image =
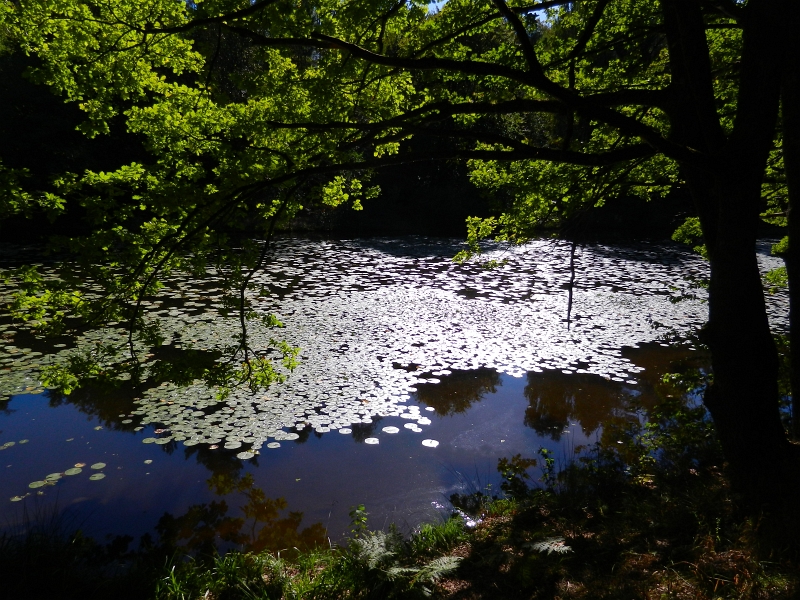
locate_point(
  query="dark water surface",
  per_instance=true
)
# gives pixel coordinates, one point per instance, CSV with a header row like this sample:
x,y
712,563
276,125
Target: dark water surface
x,y
478,364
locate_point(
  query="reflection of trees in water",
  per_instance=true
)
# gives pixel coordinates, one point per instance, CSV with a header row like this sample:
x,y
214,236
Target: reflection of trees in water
x,y
458,391
262,526
362,431
110,399
219,461
105,401
556,399
303,433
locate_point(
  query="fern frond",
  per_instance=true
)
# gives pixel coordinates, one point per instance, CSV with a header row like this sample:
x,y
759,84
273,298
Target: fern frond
x,y
550,545
393,573
438,567
373,549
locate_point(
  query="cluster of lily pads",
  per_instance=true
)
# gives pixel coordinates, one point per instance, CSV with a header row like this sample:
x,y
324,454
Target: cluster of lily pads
x,y
7,445
376,318
53,478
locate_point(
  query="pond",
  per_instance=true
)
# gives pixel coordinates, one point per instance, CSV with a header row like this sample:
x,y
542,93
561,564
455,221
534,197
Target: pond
x,y
416,375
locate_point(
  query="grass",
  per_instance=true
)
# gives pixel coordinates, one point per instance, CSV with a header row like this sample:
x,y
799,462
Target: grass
x,y
648,513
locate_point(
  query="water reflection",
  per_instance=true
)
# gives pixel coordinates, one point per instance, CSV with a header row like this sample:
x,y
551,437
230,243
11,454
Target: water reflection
x,y
558,400
208,495
459,390
203,528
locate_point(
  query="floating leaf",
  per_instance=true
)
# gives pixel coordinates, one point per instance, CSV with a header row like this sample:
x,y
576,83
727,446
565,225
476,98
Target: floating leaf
x,y
345,430
148,461
53,477
232,445
37,484
97,476
97,466
390,429
372,441
17,498
245,455
430,443
98,428
24,441
274,445
148,440
74,471
164,440
79,465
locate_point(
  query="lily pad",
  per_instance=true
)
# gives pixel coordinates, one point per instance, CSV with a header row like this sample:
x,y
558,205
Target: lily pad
x,y
232,445
345,430
53,477
372,441
245,455
391,429
274,445
149,461
17,498
430,443
97,466
97,476
148,440
79,465
98,428
73,471
24,441
164,440
37,484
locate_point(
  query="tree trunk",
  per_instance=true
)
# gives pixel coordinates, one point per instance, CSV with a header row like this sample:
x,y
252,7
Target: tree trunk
x,y
725,182
790,105
743,399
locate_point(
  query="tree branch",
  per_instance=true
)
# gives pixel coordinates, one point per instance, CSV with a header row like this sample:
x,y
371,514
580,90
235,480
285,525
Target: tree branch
x,y
528,51
224,18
